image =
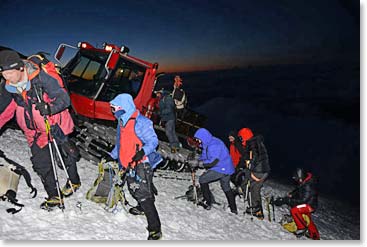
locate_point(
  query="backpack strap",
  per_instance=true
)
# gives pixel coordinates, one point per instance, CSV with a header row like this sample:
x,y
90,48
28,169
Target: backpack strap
x,y
10,195
20,170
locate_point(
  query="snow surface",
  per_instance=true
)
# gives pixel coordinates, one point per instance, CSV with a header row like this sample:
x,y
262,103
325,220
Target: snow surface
x,y
181,220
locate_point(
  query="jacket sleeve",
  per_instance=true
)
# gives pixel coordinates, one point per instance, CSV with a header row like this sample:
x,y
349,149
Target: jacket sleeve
x,y
303,195
211,154
8,113
60,99
145,131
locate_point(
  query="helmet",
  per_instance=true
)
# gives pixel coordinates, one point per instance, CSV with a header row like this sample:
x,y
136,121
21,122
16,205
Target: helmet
x,y
299,174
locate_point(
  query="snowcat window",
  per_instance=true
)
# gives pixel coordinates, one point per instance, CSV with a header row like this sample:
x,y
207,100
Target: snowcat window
x,y
87,73
126,78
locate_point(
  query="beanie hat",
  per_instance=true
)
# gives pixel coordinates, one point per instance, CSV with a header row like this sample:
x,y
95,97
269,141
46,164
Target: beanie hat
x,y
10,59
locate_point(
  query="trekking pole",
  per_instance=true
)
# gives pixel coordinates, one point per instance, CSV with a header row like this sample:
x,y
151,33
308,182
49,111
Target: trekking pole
x,y
267,201
252,218
52,140
248,186
48,132
272,205
193,176
78,204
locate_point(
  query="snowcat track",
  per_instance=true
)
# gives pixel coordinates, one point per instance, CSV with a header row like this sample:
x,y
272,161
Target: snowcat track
x,y
95,141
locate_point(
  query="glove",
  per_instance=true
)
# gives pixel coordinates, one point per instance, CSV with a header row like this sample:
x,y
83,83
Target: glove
x,y
280,201
139,155
43,108
195,164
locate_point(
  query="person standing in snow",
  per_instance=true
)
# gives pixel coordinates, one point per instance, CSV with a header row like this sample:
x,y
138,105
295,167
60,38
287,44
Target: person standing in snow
x,y
168,117
257,165
303,201
135,151
237,145
216,159
179,97
36,96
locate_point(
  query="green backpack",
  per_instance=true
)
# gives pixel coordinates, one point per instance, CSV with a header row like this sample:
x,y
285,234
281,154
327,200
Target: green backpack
x,y
108,187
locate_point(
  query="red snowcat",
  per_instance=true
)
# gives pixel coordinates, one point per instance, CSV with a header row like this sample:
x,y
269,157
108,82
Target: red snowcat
x,y
93,77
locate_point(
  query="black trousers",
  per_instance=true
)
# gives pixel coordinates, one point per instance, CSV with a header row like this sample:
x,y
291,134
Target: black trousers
x,y
42,165
140,184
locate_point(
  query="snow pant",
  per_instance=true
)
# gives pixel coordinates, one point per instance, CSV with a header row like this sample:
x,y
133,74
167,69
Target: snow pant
x,y
170,129
140,184
306,209
255,189
211,176
180,113
42,165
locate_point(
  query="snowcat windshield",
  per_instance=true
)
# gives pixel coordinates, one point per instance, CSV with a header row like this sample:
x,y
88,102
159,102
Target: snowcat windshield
x,y
87,73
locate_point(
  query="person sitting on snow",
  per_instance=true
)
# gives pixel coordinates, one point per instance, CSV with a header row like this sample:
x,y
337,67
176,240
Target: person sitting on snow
x,y
216,159
303,201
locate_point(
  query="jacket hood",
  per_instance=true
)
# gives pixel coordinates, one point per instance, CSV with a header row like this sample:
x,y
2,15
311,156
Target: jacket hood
x,y
204,135
245,134
127,103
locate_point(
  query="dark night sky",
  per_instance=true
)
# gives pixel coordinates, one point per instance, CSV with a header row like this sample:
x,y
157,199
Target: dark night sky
x,y
191,35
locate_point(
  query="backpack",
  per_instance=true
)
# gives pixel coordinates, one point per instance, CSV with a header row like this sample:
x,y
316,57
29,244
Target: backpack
x,y
10,173
108,187
260,156
48,67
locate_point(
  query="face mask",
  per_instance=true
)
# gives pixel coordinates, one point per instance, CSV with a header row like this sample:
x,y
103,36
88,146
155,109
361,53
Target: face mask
x,y
119,113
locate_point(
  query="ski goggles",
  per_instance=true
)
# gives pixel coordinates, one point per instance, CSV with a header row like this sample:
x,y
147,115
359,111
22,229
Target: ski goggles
x,y
115,108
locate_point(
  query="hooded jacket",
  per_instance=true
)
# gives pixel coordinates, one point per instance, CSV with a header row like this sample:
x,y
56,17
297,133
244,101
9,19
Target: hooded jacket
x,y
28,118
143,129
237,147
305,193
214,148
260,159
167,109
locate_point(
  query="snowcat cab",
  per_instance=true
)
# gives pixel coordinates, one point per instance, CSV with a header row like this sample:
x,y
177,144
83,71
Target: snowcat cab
x,y
93,77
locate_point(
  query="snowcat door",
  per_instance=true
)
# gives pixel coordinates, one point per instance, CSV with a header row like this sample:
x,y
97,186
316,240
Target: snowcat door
x,y
111,62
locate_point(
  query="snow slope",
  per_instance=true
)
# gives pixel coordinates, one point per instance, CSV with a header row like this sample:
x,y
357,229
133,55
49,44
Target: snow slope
x,y
181,220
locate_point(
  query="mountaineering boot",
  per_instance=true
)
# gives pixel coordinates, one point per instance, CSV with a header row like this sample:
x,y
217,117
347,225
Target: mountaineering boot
x,y
231,201
205,205
256,211
67,191
300,232
155,235
138,210
51,203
